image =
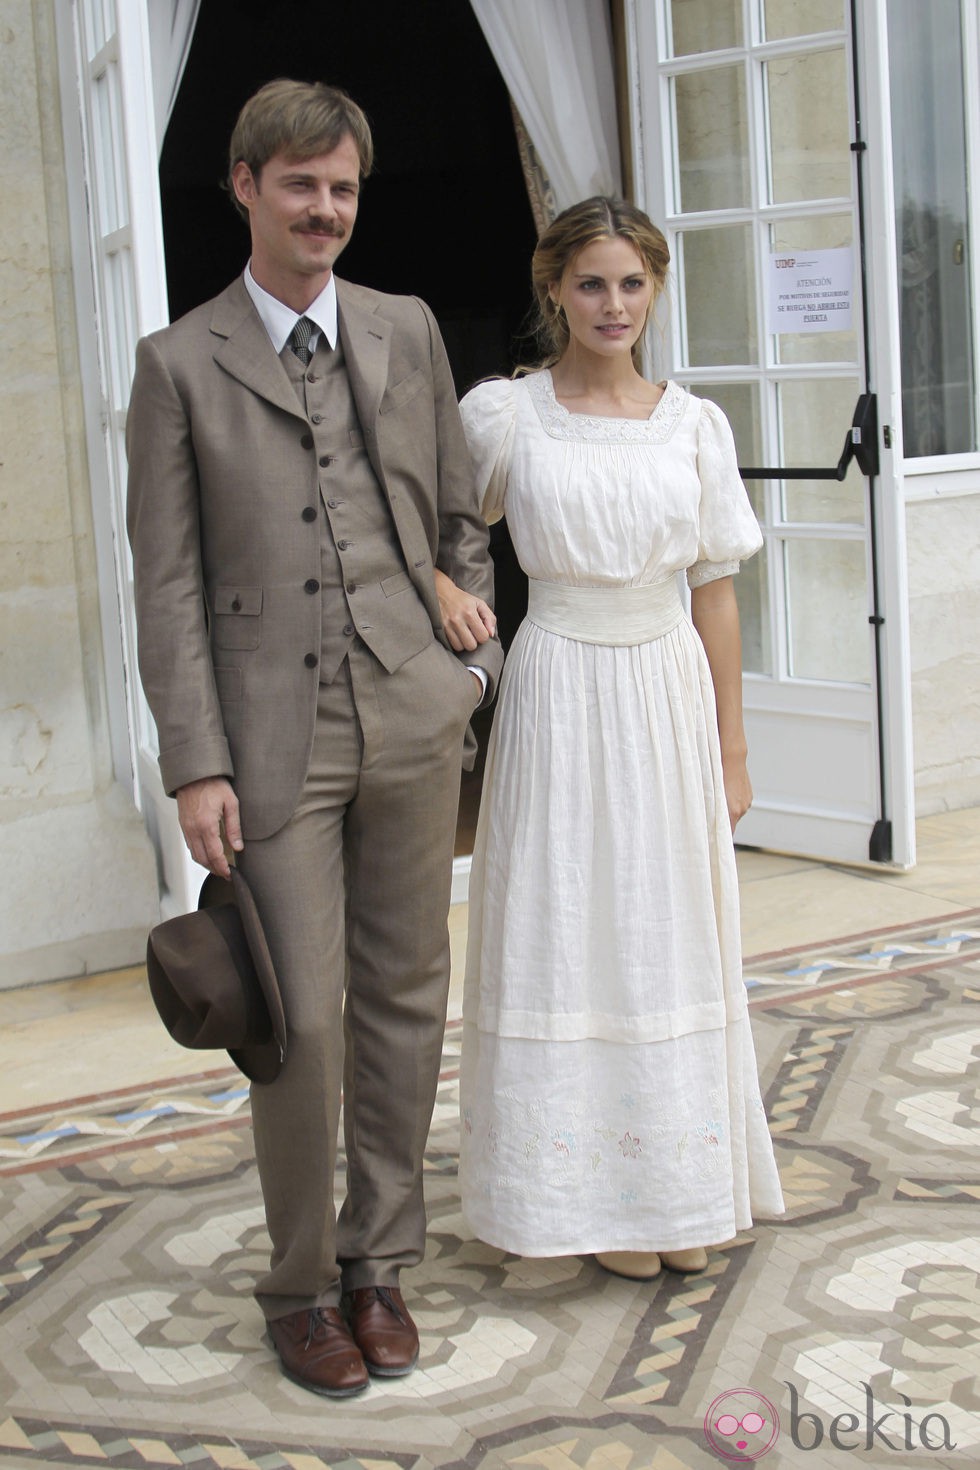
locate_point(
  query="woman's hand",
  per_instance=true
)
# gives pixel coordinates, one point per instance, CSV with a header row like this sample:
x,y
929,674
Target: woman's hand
x,y
715,614
468,620
738,787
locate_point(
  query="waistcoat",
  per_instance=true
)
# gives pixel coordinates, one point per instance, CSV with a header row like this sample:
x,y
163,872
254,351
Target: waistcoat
x,y
365,590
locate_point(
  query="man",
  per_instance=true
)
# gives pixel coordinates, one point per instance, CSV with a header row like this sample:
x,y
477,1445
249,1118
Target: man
x,y
297,470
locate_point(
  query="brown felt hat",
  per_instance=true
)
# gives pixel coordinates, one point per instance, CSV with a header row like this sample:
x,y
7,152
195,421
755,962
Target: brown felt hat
x,y
212,980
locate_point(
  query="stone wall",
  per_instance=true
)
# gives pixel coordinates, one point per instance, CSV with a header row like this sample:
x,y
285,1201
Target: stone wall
x,y
944,616
78,881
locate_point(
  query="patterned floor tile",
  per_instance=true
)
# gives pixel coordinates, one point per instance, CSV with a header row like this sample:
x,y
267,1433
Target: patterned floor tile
x,y
132,1230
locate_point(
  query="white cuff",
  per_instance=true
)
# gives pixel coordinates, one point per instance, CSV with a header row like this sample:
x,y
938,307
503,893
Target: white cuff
x,y
710,571
481,674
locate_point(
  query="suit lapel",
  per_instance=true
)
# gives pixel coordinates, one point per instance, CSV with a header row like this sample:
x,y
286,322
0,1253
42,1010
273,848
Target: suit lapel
x,y
243,349
366,339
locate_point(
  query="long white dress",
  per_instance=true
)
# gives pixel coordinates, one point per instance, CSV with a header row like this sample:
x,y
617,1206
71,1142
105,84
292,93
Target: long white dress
x,y
609,1091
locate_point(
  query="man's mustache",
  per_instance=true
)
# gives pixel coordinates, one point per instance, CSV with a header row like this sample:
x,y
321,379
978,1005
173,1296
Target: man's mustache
x,y
320,227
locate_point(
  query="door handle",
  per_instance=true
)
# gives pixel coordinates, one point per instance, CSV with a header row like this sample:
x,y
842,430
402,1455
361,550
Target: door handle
x,y
861,445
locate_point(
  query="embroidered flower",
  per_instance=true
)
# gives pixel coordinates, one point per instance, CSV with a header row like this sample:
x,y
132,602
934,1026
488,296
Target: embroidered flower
x,y
709,1132
595,1160
563,1140
630,1147
628,1197
493,1139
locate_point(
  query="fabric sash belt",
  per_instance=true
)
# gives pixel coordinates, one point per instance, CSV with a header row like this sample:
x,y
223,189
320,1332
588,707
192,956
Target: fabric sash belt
x,y
619,616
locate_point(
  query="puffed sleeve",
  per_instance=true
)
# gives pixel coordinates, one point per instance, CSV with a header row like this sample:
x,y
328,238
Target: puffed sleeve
x,y
488,412
729,531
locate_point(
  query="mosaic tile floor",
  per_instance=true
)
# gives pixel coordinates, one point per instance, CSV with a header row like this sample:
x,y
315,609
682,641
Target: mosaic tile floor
x,y
131,1230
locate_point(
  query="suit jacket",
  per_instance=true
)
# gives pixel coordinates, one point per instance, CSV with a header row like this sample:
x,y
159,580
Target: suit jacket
x,y
220,474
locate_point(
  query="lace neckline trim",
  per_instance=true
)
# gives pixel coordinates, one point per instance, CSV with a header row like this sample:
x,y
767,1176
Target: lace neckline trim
x,y
560,423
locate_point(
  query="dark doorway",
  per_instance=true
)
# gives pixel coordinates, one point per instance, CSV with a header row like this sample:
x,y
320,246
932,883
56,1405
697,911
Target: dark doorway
x,y
444,216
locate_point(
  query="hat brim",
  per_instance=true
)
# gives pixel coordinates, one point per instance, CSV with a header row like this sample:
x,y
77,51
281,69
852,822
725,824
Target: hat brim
x,y
256,1060
213,982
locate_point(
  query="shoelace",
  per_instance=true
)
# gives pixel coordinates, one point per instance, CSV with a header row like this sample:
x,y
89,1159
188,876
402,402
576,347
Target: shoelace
x,y
383,1295
317,1325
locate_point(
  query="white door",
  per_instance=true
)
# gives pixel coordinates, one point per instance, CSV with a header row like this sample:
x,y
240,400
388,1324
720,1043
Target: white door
x,y
749,150
107,77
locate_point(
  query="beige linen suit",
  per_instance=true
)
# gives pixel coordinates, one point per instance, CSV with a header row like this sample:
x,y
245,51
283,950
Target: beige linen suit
x,y
348,788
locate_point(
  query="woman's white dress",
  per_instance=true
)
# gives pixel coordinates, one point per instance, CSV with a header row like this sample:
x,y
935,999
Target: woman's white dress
x,y
609,1091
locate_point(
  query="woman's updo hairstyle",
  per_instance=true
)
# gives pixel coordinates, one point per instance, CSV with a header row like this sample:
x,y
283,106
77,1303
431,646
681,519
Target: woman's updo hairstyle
x,y
599,218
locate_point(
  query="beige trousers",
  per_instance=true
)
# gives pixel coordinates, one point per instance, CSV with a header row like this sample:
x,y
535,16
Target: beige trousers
x,y
354,893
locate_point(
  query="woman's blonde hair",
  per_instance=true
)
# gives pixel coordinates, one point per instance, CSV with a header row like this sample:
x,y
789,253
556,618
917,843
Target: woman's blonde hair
x,y
599,218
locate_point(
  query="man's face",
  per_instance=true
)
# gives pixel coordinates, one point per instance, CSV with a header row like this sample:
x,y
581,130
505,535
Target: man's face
x,y
301,213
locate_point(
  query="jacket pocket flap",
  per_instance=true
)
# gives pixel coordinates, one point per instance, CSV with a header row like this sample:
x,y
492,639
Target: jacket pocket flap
x,y
245,601
400,393
397,583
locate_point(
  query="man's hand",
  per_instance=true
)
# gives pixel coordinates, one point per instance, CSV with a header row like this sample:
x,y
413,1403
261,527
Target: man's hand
x,y
468,620
203,809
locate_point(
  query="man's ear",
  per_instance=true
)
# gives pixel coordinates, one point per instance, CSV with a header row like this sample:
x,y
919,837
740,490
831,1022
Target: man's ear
x,y
244,183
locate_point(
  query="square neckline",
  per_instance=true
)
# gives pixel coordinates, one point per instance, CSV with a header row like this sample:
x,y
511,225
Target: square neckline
x,y
614,418
559,422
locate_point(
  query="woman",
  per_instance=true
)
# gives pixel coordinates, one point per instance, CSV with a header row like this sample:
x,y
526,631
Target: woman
x,y
610,1100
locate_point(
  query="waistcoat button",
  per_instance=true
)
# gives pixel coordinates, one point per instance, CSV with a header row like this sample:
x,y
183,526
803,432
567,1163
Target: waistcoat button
x,y
309,513
351,586
325,459
307,441
311,586
311,660
348,630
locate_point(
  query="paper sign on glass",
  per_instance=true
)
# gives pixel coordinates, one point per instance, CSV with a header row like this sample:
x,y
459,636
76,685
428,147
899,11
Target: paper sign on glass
x,y
811,290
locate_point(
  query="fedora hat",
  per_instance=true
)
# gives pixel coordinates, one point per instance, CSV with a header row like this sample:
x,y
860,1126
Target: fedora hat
x,y
212,979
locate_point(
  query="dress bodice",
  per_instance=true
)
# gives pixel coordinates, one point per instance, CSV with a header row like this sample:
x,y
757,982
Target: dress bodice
x,y
597,501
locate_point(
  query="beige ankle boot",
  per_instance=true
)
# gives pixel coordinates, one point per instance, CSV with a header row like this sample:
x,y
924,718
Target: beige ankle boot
x,y
634,1265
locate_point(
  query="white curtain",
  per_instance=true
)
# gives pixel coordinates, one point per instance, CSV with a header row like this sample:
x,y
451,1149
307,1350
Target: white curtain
x,y
172,25
556,58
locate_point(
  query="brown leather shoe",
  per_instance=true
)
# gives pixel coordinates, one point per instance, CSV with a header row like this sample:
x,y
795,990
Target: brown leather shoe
x,y
317,1351
383,1330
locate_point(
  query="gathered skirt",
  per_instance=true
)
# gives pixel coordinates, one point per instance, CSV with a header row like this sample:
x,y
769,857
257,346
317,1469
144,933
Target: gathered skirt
x,y
609,1090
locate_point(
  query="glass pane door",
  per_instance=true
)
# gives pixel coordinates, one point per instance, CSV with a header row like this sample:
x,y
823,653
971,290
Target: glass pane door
x,y
115,115
758,177
925,62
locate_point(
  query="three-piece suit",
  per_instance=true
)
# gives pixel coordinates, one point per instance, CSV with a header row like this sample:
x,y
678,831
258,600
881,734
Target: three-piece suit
x,y
285,521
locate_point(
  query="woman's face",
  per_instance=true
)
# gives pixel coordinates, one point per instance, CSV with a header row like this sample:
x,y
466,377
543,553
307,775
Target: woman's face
x,y
606,294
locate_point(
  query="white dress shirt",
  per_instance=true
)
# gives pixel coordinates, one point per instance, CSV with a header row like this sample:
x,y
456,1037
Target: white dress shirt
x,y
280,319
